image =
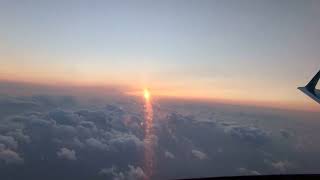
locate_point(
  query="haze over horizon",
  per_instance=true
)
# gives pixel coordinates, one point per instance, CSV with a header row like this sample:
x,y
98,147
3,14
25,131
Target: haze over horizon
x,y
248,52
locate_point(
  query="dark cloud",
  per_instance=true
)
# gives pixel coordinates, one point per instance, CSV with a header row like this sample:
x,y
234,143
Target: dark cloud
x,y
108,171
80,141
245,171
132,173
9,142
248,134
96,144
169,155
16,105
65,153
281,166
199,155
122,142
63,117
97,117
285,133
19,136
9,156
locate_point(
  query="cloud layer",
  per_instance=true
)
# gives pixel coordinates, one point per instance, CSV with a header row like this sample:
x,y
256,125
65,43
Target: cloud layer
x,y
65,138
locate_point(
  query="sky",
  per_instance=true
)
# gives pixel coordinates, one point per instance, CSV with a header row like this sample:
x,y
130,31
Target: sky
x,y
253,52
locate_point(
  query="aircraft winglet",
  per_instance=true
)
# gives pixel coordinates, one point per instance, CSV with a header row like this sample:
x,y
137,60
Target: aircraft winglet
x,y
310,88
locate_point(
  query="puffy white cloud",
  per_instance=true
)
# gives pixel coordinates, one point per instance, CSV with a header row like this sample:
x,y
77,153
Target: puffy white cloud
x,y
12,123
65,153
123,141
169,155
88,124
249,134
132,173
135,173
96,144
10,157
199,155
65,131
117,135
282,166
63,117
108,171
19,136
9,141
77,143
38,122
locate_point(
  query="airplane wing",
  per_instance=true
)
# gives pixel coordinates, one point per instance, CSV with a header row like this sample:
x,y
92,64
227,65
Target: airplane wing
x,y
310,88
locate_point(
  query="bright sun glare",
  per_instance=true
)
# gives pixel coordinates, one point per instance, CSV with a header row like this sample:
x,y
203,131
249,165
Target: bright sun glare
x,y
146,94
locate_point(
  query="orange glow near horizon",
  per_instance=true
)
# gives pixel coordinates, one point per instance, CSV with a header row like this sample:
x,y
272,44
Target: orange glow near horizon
x,y
236,99
288,98
125,80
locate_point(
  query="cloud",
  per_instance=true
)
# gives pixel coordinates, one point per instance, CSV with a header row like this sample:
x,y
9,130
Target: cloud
x,y
88,124
123,142
282,166
169,155
199,155
10,157
97,117
54,101
285,133
110,136
65,153
96,144
13,105
2,147
133,173
108,171
177,118
249,134
39,122
63,117
19,136
245,171
64,131
36,133
9,142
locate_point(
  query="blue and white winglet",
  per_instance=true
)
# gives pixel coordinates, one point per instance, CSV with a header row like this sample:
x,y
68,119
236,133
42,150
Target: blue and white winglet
x,y
310,88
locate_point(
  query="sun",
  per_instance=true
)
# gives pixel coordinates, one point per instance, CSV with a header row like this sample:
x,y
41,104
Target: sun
x,y
146,94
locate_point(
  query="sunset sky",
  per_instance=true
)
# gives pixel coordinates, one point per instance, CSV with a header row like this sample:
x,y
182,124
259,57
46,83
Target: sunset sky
x,y
255,52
